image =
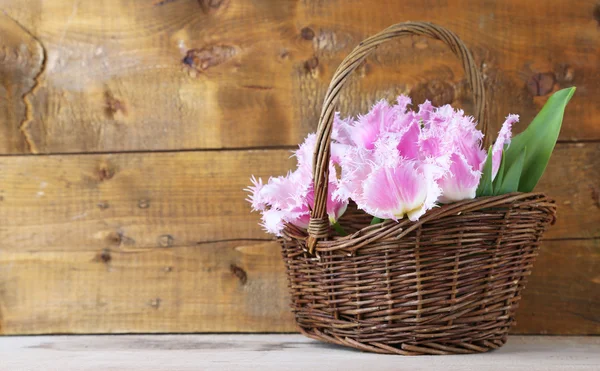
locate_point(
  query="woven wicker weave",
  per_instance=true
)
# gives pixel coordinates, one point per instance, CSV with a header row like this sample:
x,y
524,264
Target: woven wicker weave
x,y
449,283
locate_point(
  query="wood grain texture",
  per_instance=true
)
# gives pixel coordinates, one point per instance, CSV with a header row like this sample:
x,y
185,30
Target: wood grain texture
x,y
219,287
563,293
104,201
146,75
21,62
137,242
235,287
278,352
165,242
92,202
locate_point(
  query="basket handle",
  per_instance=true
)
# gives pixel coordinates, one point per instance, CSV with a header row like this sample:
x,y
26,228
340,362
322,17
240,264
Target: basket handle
x,y
319,224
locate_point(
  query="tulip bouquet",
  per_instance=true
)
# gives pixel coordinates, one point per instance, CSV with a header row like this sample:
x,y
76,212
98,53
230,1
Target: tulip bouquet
x,y
394,162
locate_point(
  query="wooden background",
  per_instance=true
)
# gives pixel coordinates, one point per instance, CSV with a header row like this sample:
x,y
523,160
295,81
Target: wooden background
x,y
128,130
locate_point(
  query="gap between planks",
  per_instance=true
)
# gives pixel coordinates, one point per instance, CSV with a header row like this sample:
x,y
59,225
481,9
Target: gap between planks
x,y
218,149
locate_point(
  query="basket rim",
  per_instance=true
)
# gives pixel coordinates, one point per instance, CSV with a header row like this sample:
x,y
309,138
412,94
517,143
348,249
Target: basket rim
x,y
373,233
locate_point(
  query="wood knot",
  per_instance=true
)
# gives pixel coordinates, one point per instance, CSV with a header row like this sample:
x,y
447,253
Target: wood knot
x,y
163,2
119,238
565,74
166,240
115,238
144,203
155,303
112,105
596,13
541,83
311,64
104,256
105,172
307,33
209,6
103,205
207,57
239,273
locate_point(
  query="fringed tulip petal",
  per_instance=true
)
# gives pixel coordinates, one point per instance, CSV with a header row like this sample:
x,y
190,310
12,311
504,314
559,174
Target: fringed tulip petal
x,y
273,221
255,196
392,192
503,140
460,182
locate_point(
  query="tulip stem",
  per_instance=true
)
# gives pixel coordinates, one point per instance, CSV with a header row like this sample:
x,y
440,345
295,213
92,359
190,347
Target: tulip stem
x,y
339,229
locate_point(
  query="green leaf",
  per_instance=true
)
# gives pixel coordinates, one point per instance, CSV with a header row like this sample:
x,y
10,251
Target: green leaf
x,y
510,183
500,176
376,220
339,229
539,138
485,187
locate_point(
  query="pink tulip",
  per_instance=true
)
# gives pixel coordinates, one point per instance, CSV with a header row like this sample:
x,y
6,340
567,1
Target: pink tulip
x,y
356,167
336,206
394,162
368,128
460,182
304,153
408,188
435,146
408,140
436,151
503,140
273,221
289,199
341,130
460,143
388,185
282,200
255,196
402,103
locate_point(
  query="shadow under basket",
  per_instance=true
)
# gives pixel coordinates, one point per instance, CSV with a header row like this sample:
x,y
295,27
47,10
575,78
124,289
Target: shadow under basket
x,y
449,283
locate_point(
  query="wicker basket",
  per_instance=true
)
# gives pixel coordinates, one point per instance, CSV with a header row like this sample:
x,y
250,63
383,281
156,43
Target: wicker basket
x,y
449,283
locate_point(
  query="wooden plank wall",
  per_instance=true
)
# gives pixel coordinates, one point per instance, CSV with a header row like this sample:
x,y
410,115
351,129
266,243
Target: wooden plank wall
x,y
129,128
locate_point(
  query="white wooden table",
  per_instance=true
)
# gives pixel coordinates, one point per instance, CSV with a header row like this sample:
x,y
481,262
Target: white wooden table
x,y
276,352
